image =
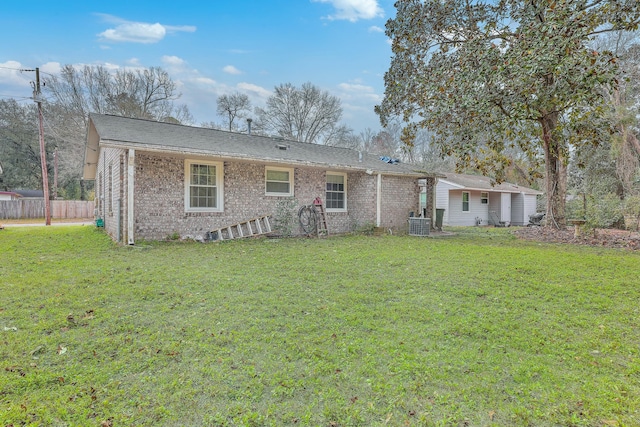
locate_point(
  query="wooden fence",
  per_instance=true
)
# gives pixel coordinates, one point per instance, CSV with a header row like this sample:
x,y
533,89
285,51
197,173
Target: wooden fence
x,y
26,209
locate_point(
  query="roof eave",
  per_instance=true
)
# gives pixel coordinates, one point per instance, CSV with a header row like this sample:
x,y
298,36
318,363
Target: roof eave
x,y
234,156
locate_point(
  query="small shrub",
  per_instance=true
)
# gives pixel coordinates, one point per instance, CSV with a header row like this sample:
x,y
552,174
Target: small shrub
x,y
632,212
286,219
605,211
366,228
575,208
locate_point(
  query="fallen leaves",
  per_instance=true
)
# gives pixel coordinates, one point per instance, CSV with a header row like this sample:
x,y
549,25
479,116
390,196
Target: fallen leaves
x,y
602,237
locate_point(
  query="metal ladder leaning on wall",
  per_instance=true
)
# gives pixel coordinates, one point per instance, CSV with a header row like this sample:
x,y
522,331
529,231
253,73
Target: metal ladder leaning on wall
x,y
253,227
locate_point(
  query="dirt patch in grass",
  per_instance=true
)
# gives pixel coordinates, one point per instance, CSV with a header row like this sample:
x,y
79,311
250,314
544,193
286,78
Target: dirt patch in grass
x,y
592,237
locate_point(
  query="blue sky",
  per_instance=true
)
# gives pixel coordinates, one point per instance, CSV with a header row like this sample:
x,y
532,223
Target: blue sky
x,y
210,47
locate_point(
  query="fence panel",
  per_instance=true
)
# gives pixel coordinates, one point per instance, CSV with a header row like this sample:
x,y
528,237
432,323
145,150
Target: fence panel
x,y
31,209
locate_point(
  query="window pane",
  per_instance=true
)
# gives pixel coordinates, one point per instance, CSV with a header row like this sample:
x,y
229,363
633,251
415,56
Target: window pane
x,y
335,179
202,186
278,187
203,175
335,191
203,197
335,200
273,175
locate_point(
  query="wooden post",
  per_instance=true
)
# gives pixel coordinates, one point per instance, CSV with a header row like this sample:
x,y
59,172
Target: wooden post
x,y
43,153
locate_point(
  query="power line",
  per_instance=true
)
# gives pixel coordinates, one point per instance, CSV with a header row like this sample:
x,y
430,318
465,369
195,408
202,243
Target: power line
x,y
15,96
26,70
54,133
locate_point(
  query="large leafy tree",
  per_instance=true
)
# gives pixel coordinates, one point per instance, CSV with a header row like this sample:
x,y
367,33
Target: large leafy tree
x,y
486,76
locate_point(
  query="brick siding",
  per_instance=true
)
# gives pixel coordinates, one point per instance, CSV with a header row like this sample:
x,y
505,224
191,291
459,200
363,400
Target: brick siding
x,y
160,192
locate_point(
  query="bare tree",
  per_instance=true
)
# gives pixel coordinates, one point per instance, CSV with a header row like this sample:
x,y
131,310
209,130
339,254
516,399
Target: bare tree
x,y
19,150
148,93
305,114
233,106
342,136
76,92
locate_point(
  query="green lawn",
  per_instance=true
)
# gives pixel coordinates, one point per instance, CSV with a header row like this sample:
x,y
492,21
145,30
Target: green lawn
x,y
476,329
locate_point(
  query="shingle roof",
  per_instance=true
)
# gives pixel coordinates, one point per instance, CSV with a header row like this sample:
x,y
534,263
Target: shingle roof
x,y
483,183
149,135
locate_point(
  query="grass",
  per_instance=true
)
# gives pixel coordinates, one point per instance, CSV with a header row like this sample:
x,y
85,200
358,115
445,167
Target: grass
x,y
478,329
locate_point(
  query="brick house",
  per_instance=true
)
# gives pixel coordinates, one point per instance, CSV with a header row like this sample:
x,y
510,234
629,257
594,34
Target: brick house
x,y
155,180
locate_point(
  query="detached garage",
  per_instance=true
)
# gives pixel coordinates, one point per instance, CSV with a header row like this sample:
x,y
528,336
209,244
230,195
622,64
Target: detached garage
x,y
472,200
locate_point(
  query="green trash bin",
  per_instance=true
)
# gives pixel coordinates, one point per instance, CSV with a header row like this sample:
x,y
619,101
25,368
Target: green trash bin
x,y
99,222
439,217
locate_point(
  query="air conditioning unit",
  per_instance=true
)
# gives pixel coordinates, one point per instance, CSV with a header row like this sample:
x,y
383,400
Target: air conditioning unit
x,y
419,226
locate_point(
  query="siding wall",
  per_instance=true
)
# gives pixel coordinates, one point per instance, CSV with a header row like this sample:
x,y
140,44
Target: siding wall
x,y
530,207
442,200
111,185
476,209
506,207
495,204
517,209
159,198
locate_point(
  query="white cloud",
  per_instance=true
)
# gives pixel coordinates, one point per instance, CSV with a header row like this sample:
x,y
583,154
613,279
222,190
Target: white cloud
x,y
353,10
138,32
256,90
205,81
357,96
355,88
172,60
51,67
376,29
230,69
10,75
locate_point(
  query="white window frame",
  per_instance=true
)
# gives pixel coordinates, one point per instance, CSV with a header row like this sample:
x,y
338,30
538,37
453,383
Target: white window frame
x,y
278,169
468,202
344,175
484,197
219,185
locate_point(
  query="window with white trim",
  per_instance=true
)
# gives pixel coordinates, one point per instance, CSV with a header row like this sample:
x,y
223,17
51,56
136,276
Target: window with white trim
x,y
278,181
203,186
484,198
336,193
465,201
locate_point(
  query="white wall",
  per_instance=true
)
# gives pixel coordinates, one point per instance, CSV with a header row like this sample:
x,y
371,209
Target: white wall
x,y
476,209
530,206
517,209
442,199
505,212
513,208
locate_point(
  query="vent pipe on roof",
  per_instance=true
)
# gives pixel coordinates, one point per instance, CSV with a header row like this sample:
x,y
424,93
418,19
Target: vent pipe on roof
x,y
249,126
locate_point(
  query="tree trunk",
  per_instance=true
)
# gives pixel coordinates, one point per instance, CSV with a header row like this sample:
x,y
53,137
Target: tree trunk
x,y
555,173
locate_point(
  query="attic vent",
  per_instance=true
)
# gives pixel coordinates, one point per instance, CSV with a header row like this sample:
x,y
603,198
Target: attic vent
x,y
282,147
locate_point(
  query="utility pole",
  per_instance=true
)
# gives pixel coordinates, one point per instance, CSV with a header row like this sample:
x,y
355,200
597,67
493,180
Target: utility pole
x,y
55,173
37,97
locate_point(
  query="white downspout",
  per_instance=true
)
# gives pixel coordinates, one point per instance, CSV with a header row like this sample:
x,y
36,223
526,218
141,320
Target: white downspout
x,y
379,201
435,199
130,177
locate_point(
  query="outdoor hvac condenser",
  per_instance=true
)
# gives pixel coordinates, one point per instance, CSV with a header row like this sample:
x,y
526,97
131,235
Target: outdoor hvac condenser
x,y
419,226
